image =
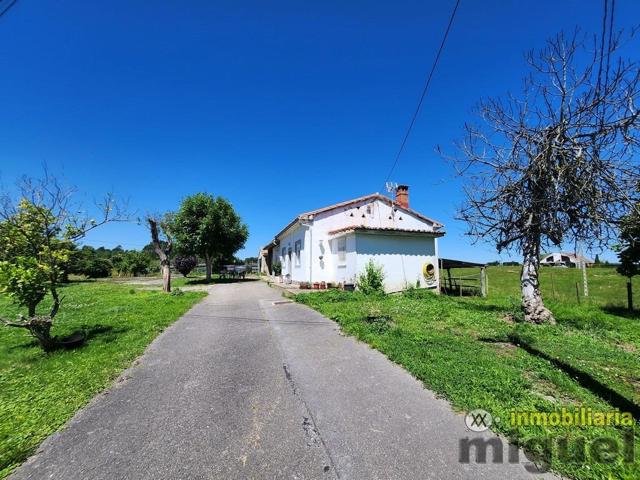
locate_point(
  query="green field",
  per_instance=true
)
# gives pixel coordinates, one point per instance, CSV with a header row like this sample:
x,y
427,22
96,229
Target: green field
x,y
475,353
39,392
606,287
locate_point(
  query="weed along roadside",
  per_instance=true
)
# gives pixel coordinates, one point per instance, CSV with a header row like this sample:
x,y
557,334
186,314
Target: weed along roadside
x,y
40,391
472,352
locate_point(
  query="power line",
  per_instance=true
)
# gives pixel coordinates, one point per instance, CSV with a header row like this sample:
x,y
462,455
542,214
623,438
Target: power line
x,y
424,90
11,4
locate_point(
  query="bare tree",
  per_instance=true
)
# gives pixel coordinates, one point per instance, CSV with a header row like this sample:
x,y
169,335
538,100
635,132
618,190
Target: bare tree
x,y
162,247
555,165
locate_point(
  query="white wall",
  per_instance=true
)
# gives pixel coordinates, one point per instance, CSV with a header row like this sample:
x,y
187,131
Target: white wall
x,y
319,257
380,215
298,272
370,213
401,257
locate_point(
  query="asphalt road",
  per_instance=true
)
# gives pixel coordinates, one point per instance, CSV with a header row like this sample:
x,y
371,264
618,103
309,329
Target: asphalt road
x,y
247,387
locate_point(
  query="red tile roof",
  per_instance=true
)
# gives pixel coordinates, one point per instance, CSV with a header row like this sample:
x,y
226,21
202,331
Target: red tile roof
x,y
373,196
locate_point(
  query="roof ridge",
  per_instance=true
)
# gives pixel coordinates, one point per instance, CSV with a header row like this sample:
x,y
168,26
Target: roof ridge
x,y
376,195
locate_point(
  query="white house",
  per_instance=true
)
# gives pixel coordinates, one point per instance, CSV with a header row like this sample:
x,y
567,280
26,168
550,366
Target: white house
x,y
334,243
563,259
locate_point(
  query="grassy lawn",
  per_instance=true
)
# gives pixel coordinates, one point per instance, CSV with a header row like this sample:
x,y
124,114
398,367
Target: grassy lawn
x,y
606,287
39,392
470,351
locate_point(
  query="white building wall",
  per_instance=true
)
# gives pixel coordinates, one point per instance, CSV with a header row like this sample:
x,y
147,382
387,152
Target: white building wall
x,y
379,215
342,271
401,257
370,213
296,268
319,255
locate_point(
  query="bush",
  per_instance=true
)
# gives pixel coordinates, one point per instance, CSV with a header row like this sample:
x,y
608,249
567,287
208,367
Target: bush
x,y
132,263
277,269
371,281
185,263
88,262
97,268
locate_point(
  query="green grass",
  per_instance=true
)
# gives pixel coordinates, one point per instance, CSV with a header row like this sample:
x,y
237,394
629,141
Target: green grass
x,y
39,392
606,287
469,351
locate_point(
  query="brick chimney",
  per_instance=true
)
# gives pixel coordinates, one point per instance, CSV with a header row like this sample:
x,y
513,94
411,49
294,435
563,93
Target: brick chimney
x,y
402,195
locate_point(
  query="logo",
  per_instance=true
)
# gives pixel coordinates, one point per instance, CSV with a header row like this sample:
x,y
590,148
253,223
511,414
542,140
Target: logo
x,y
478,420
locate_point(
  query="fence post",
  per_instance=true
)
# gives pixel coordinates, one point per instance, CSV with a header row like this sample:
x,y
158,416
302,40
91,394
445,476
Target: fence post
x,y
629,295
483,281
486,283
578,293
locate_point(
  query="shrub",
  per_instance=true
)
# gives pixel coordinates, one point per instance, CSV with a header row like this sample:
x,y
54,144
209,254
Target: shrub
x,y
371,281
132,263
185,263
98,268
90,263
277,269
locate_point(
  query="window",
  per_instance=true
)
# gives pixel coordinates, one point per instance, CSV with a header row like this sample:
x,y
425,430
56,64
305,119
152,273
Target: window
x,y
284,255
342,250
296,248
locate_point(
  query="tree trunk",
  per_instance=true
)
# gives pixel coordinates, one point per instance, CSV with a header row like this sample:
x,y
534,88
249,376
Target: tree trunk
x,y
166,277
163,254
532,304
40,328
207,261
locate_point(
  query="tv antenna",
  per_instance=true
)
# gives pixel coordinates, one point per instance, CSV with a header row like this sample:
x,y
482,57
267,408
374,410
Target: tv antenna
x,y
391,187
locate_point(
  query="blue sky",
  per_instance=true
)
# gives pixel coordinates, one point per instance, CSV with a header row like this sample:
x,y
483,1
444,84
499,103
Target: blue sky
x,y
281,107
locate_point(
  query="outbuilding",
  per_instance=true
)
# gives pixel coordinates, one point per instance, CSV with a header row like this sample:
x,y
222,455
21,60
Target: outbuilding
x,y
565,259
333,244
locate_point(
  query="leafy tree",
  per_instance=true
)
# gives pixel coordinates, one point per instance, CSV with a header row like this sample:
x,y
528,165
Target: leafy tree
x,y
36,241
210,228
97,268
597,261
132,263
371,281
25,280
185,264
88,262
555,164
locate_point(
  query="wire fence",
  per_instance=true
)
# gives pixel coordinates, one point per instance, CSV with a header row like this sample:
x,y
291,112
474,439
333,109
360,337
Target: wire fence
x,y
563,285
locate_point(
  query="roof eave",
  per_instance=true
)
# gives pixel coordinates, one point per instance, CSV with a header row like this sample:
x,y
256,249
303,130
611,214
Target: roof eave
x,y
390,231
